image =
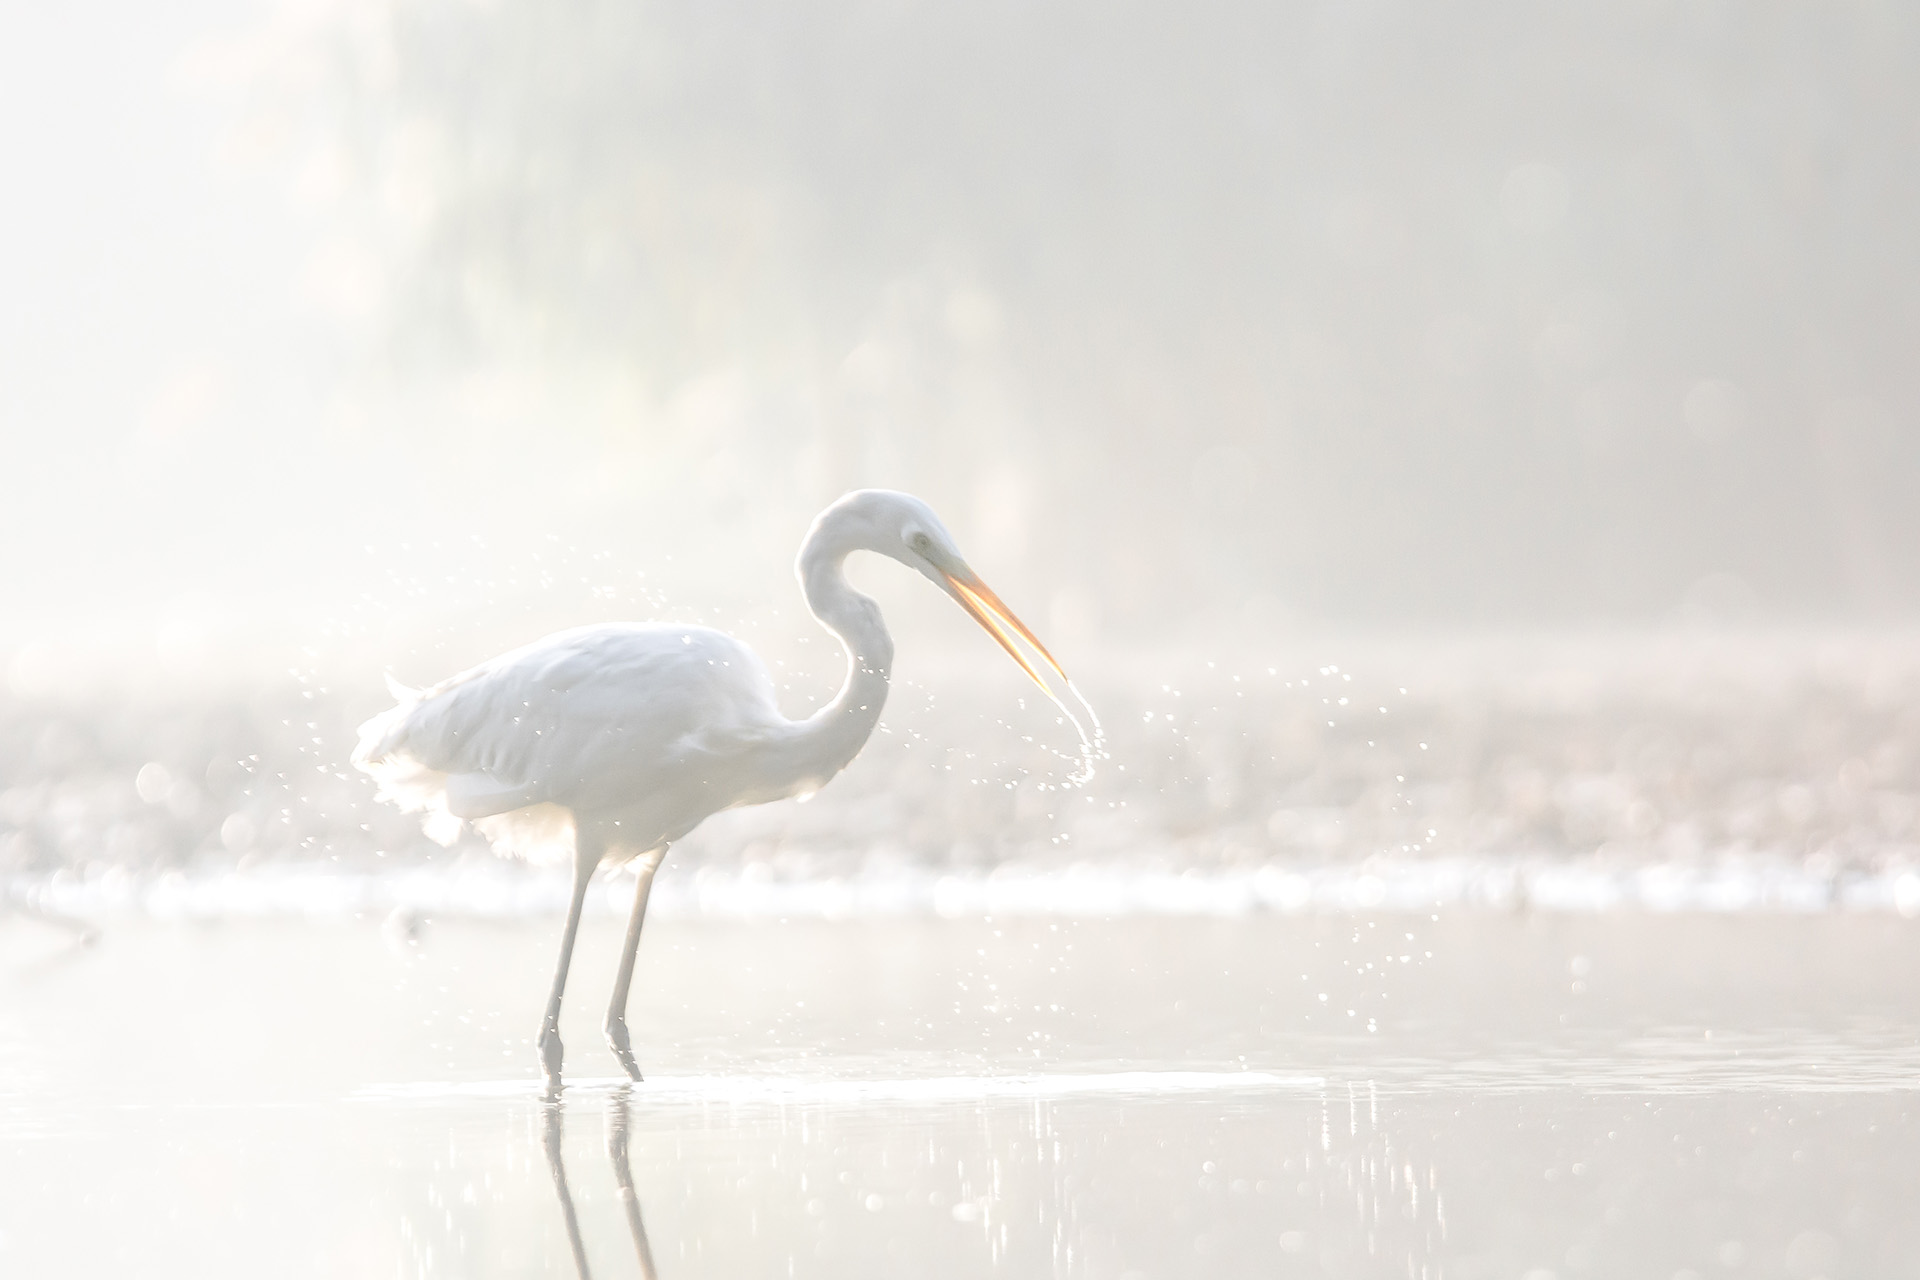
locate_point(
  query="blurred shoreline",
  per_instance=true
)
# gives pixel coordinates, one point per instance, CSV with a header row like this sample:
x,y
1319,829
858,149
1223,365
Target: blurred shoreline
x,y
403,898
1680,770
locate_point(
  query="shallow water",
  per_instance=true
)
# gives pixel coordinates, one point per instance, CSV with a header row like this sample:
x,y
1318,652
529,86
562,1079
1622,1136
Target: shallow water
x,y
1612,1095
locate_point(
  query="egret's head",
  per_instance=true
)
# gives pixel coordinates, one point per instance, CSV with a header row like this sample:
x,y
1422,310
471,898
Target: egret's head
x,y
903,527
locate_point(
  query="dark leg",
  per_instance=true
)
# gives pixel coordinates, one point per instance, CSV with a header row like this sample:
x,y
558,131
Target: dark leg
x,y
616,1025
586,856
617,1120
554,1131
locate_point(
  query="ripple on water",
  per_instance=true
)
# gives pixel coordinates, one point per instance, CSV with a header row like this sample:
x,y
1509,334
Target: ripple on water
x,y
852,1091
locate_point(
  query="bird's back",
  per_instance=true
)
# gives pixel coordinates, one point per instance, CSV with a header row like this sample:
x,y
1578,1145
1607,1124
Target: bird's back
x,y
600,720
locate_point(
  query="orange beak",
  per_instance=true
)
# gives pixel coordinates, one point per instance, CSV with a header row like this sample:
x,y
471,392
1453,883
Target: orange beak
x,y
978,599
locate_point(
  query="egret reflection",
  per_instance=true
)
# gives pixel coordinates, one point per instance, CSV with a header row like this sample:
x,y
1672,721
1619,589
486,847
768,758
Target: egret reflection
x,y
619,1121
553,1140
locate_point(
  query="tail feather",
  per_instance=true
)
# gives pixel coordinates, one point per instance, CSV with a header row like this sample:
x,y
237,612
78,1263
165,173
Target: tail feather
x,y
381,737
536,831
404,780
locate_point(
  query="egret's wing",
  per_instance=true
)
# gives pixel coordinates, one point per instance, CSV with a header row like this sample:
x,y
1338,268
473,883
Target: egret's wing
x,y
481,795
585,713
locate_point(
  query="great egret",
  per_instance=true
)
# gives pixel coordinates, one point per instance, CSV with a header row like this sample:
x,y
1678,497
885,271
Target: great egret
x,y
608,743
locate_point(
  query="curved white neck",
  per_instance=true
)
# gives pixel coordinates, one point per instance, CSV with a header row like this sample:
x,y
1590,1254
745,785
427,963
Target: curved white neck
x,y
825,742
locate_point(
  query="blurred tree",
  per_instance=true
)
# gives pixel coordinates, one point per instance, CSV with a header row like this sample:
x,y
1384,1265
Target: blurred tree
x,y
1390,311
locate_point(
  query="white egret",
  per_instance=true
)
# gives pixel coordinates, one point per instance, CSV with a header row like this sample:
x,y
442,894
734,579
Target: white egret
x,y
608,743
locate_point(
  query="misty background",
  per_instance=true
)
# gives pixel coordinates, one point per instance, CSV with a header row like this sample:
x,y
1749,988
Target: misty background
x,y
1242,346
1465,452
1241,313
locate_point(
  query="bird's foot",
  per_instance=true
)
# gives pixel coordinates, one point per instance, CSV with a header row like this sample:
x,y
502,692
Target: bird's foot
x,y
551,1051
622,1048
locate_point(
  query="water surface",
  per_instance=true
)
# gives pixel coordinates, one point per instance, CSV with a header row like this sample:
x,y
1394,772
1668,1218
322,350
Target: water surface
x,y
1610,1095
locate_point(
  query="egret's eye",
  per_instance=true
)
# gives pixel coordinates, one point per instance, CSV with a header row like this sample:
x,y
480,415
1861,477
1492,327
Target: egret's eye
x,y
920,542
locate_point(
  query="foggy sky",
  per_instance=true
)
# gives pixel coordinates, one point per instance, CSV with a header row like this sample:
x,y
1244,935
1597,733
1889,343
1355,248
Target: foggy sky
x,y
1272,314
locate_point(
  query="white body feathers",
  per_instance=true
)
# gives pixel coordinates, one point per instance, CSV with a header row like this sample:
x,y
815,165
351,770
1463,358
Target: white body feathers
x,y
623,738
649,729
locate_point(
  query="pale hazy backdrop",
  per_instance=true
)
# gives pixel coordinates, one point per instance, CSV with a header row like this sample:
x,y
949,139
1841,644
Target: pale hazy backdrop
x,y
1465,450
324,321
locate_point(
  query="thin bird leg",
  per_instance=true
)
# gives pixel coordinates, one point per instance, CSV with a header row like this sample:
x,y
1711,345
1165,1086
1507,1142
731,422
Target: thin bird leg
x,y
553,1132
617,1121
616,1024
586,857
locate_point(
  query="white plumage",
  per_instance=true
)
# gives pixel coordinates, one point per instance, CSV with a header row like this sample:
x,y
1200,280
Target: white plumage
x,y
643,727
607,743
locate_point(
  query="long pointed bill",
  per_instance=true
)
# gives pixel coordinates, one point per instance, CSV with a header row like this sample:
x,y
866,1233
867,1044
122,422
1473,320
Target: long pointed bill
x,y
987,609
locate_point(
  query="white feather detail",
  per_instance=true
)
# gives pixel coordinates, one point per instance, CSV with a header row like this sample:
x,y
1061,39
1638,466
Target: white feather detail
x,y
401,779
540,833
647,728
